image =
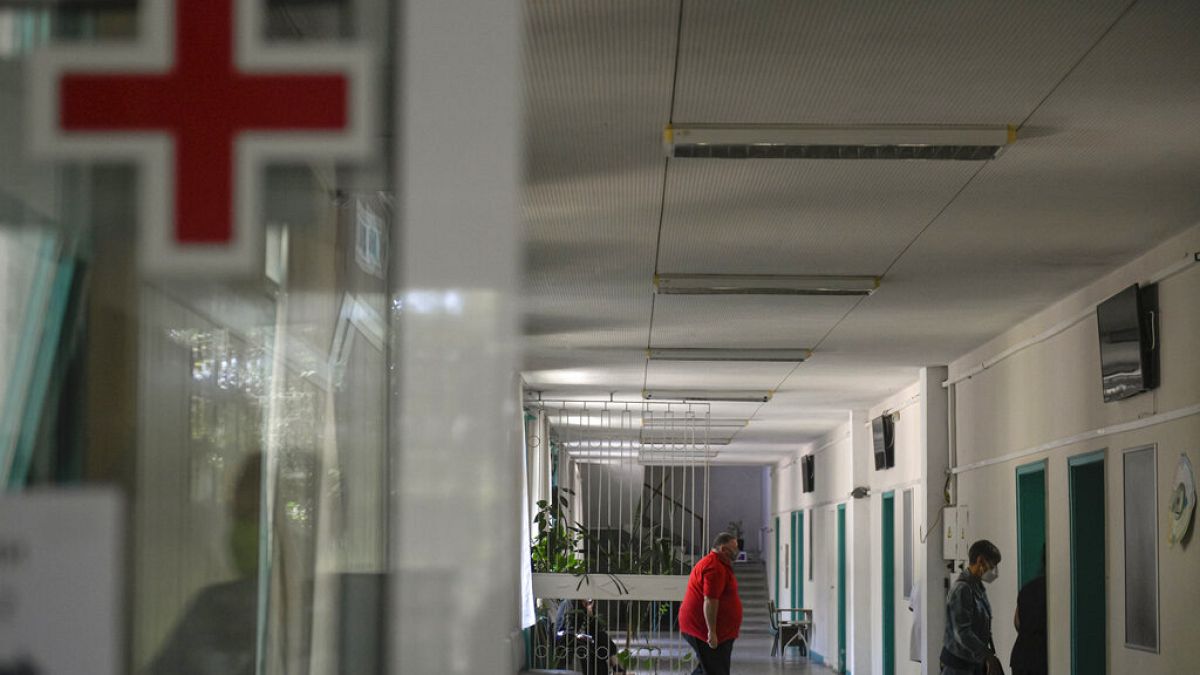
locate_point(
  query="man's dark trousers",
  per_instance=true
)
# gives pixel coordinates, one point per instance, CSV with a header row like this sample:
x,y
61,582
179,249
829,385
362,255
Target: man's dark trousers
x,y
712,661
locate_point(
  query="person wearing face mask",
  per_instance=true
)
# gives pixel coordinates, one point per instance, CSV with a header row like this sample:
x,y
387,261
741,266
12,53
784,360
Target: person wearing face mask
x,y
218,631
711,613
967,648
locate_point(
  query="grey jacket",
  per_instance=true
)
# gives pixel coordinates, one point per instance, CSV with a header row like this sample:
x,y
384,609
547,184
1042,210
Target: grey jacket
x,y
968,620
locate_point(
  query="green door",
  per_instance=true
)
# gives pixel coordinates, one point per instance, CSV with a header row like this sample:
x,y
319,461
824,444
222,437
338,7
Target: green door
x,y
797,560
888,551
1031,521
841,586
1088,610
778,559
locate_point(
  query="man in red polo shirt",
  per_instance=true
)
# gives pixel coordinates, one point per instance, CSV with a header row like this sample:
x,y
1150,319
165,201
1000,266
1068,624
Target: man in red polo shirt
x,y
711,613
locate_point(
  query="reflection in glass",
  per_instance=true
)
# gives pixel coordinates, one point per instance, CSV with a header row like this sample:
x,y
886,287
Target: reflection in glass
x,y
245,419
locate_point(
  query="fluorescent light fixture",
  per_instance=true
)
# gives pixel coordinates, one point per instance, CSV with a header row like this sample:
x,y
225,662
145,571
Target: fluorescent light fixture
x,y
763,284
648,453
801,141
664,444
700,354
696,440
697,395
687,422
629,445
617,420
676,456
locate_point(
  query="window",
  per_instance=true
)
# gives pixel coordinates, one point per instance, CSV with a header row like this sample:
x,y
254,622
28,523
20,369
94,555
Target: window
x,y
810,544
1141,549
907,544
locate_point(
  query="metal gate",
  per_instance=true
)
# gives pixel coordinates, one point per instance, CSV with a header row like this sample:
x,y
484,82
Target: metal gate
x,y
619,504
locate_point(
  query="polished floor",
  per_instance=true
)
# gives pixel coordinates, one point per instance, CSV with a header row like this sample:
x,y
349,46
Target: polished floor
x,y
752,656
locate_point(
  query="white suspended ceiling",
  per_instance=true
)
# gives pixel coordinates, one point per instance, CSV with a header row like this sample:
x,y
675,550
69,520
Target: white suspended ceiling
x,y
1106,165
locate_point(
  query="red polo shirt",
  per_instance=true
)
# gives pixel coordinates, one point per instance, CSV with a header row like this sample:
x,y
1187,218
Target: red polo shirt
x,y
712,577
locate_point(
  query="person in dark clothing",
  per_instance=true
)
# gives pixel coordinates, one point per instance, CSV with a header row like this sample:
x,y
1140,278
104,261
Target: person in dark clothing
x,y
218,631
1029,655
967,647
576,626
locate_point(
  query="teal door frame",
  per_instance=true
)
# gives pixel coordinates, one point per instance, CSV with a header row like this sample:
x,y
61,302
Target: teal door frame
x,y
888,552
1031,520
778,559
792,569
798,559
841,587
1093,568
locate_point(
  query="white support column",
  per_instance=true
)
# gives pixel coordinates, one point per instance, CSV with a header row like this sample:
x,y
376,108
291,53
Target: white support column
x,y
935,460
455,535
859,534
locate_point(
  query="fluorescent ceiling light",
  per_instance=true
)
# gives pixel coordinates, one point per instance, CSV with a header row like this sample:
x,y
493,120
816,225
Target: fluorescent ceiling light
x,y
673,444
667,437
763,284
617,420
697,395
643,452
696,354
683,422
676,456
648,459
686,440
800,141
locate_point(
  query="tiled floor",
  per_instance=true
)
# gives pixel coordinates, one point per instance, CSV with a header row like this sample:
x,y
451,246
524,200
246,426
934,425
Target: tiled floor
x,y
752,656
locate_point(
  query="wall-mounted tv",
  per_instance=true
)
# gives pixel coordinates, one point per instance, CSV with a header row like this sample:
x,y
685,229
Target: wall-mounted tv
x,y
808,473
1128,327
884,438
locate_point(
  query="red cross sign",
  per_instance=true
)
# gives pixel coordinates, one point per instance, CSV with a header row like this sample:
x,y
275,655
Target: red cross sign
x,y
202,104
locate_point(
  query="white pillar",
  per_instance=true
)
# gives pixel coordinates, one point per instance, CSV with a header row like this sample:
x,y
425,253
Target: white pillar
x,y
859,540
935,461
455,536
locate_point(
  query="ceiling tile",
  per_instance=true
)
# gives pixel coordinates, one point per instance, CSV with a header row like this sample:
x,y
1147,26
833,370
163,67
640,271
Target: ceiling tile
x,y
832,62
799,216
716,375
765,321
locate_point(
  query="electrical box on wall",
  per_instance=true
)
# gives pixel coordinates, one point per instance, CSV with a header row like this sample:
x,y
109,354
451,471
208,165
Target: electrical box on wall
x,y
956,525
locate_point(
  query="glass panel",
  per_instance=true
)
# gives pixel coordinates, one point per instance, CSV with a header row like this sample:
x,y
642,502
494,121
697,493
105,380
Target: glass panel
x,y
245,420
1141,549
1031,521
810,544
908,543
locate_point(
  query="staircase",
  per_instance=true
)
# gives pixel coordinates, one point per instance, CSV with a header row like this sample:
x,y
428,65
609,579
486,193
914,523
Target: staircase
x,y
753,588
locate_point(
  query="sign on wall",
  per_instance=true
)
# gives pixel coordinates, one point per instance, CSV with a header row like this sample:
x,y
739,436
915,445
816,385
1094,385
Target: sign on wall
x,y
201,103
60,583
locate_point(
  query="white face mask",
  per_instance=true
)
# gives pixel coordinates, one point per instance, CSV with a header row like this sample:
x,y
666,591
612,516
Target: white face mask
x,y
991,575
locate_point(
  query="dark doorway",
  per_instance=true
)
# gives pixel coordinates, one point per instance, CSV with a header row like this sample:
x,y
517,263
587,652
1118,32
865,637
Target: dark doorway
x,y
1031,521
888,551
1089,617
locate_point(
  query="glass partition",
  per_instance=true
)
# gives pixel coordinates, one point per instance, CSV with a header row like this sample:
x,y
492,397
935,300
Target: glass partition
x,y
244,420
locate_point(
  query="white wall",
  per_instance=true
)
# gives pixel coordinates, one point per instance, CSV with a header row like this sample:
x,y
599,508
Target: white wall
x,y
906,474
1051,391
833,483
736,494
1045,393
835,478
610,493
457,182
